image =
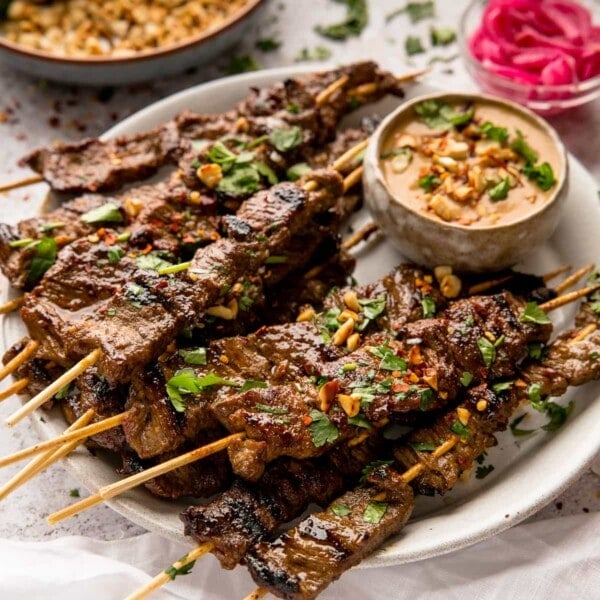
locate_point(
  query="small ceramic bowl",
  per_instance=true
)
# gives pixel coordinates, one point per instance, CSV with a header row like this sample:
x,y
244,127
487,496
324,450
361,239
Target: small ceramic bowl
x,y
426,239
543,99
141,66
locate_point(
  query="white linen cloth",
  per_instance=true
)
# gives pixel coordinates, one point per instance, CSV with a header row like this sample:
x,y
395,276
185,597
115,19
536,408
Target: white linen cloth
x,y
545,560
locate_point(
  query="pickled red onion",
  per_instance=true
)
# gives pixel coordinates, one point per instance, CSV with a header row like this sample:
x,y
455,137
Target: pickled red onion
x,y
538,42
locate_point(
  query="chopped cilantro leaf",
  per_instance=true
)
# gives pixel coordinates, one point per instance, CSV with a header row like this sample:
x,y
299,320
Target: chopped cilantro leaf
x,y
286,139
107,213
357,18
360,421
310,54
298,170
514,427
115,254
341,510
429,308
273,410
372,466
46,250
459,429
488,351
413,45
240,181
426,398
423,446
466,378
173,572
416,11
185,382
500,191
523,149
493,132
534,393
534,314
267,44
442,36
151,262
242,64
251,384
74,493
374,512
429,182
502,386
194,356
63,392
322,430
542,175
557,414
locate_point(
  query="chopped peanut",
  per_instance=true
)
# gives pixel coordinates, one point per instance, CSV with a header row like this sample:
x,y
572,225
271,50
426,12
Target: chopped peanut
x,y
210,175
343,333
351,301
463,415
349,403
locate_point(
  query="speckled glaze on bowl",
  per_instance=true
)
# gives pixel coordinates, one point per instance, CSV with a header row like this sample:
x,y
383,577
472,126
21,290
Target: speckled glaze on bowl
x,y
432,242
145,65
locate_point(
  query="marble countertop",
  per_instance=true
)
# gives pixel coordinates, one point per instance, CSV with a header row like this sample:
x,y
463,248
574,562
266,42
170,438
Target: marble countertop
x,y
34,113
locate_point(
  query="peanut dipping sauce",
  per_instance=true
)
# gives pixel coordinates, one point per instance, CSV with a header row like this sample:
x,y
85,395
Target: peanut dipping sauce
x,y
471,173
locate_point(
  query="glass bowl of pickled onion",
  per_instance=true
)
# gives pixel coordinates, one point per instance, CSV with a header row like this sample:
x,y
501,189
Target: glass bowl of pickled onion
x,y
544,54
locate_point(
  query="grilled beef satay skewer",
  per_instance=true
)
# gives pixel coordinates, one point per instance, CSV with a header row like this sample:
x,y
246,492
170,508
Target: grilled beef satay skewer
x,y
300,563
180,304
316,100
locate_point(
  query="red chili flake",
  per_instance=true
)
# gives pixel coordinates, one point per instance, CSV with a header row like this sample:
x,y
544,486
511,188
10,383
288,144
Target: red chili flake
x,y
110,239
101,232
306,420
400,387
147,249
161,284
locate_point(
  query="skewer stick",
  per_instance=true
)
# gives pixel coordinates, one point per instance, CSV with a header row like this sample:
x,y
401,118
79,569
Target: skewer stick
x,y
54,387
11,305
114,489
567,298
361,235
68,436
170,573
583,333
407,477
349,155
323,97
573,279
366,89
19,359
484,286
45,460
14,388
353,178
552,274
6,187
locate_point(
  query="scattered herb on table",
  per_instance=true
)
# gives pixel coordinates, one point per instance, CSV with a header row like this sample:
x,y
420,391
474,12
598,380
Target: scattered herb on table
x,y
416,11
313,54
413,45
357,18
267,44
242,64
442,36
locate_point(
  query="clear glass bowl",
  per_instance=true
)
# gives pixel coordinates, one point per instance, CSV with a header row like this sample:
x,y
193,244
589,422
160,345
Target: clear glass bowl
x,y
543,99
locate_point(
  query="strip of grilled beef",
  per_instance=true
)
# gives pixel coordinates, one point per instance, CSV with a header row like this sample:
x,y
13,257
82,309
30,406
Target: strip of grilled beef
x,y
245,514
143,317
421,369
94,165
303,561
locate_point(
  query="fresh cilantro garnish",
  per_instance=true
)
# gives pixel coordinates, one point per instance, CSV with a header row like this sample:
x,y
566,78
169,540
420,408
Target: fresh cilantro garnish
x,y
534,314
242,64
502,386
186,382
523,149
373,308
374,512
514,427
265,170
272,410
63,392
542,175
115,254
46,250
442,36
494,132
534,393
483,472
500,191
322,430
426,398
557,414
316,53
439,115
360,421
416,11
298,170
389,361
535,350
466,378
251,384
267,44
413,45
240,181
429,182
459,429
151,262
107,213
428,305
372,466
341,510
488,350
357,18
286,139
194,356
74,493
173,572
48,227
422,446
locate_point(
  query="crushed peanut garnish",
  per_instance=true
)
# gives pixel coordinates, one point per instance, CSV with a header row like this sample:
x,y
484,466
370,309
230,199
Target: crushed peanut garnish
x,y
481,405
343,333
308,314
353,341
463,415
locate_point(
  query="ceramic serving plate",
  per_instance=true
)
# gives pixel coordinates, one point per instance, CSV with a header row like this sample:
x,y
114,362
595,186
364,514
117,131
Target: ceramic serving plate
x,y
528,472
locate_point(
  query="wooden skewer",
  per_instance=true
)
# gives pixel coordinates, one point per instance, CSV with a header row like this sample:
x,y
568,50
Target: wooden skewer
x,y
11,305
567,298
552,274
353,178
323,97
349,155
54,387
170,573
110,491
487,285
407,477
6,187
583,333
573,279
19,359
14,388
361,235
63,438
45,460
366,89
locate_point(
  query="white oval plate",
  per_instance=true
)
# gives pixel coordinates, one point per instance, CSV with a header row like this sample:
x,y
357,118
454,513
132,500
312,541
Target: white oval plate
x,y
527,473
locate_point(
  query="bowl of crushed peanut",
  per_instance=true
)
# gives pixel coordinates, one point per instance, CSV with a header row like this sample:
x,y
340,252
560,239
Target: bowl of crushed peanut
x,y
120,41
467,180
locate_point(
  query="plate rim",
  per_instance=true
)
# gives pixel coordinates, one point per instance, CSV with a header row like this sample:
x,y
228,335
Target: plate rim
x,y
395,552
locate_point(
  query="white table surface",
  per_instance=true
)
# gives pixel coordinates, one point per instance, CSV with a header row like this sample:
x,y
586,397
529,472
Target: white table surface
x,y
34,113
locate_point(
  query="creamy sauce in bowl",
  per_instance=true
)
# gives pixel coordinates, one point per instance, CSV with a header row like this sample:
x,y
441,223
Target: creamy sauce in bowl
x,y
474,163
